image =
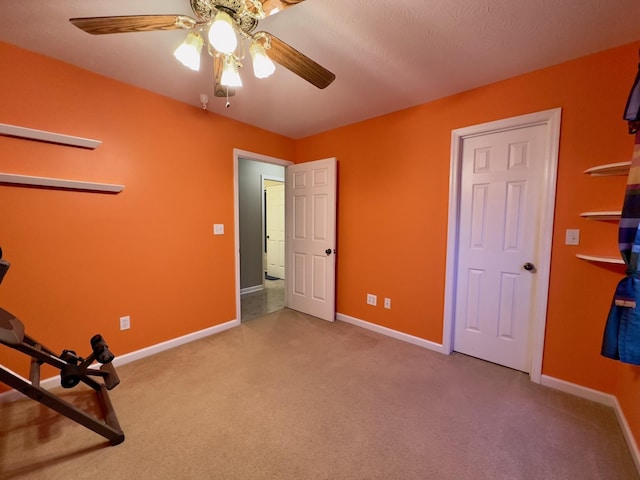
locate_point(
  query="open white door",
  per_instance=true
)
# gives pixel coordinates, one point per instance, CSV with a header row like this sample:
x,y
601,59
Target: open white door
x,y
311,237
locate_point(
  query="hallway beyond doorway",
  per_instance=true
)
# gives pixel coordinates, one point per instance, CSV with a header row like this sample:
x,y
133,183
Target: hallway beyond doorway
x,y
267,300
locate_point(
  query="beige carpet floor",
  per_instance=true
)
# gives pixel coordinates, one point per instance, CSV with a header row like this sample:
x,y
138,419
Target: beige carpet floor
x,y
287,396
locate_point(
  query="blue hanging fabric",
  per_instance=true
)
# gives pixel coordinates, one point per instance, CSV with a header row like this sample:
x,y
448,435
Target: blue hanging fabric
x,y
621,339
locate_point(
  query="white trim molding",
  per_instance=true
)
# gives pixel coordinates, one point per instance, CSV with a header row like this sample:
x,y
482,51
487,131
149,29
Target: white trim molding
x,y
405,337
602,398
174,342
53,382
255,288
551,119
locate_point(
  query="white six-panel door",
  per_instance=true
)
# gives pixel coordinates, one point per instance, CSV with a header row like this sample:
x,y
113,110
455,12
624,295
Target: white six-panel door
x,y
275,230
500,206
311,237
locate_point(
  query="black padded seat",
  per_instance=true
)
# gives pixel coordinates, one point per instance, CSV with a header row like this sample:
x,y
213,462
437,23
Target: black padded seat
x,y
11,329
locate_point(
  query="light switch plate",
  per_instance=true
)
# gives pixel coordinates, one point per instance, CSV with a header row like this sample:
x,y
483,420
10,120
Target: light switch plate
x,y
125,323
572,237
218,228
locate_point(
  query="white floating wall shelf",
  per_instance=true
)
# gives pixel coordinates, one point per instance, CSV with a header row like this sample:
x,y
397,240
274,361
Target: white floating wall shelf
x,y
49,137
620,168
602,215
600,259
46,182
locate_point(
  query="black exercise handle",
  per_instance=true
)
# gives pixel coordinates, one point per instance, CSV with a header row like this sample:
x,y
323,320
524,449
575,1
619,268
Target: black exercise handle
x,y
101,349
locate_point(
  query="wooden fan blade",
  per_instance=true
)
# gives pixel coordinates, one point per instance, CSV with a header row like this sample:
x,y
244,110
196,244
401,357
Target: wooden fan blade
x,y
133,23
271,7
298,63
220,90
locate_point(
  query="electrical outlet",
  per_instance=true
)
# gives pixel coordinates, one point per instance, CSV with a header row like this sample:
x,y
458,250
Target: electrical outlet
x,y
572,237
125,323
387,303
372,299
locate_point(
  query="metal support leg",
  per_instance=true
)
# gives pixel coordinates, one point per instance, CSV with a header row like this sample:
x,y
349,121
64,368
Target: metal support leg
x,y
110,428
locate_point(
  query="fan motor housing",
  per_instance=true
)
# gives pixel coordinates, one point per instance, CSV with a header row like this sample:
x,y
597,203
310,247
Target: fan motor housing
x,y
206,10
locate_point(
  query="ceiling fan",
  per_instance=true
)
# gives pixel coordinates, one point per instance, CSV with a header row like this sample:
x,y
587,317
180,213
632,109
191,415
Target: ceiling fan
x,y
223,21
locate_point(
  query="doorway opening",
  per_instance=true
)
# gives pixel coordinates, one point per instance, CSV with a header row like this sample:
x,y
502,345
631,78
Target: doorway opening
x,y
259,289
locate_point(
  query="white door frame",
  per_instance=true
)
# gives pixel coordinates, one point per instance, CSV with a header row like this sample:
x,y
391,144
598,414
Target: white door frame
x,y
550,118
237,154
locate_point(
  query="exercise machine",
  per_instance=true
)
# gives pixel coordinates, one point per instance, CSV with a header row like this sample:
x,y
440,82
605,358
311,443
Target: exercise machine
x,y
73,370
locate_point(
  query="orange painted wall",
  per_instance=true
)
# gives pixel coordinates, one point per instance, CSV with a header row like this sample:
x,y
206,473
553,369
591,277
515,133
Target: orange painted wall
x,y
393,204
82,260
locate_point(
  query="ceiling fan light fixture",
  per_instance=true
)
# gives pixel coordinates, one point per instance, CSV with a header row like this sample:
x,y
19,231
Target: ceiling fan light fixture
x,y
230,74
222,34
229,27
188,53
263,67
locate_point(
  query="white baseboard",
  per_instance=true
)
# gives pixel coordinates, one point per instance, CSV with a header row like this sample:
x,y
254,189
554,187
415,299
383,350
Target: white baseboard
x,y
604,399
405,337
578,390
52,382
174,342
255,288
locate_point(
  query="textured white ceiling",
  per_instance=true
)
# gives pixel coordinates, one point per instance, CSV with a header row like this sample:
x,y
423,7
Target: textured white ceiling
x,y
387,55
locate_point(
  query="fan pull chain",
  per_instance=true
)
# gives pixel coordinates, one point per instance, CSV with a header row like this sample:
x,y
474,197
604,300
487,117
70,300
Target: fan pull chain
x,y
228,103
